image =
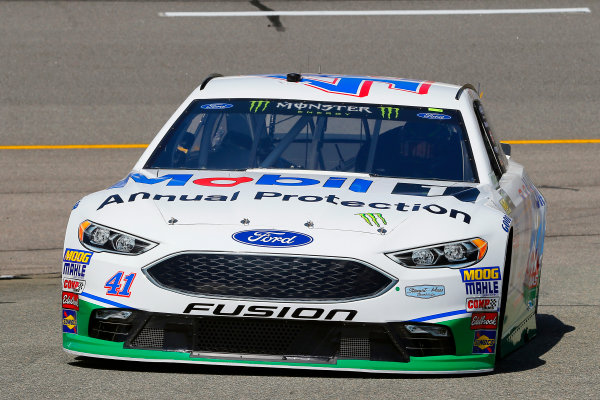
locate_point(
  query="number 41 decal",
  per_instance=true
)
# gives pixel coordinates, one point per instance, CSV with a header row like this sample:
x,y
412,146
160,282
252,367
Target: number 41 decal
x,y
114,284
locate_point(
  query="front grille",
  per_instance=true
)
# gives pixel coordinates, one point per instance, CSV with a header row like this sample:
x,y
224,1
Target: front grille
x,y
246,336
274,339
269,277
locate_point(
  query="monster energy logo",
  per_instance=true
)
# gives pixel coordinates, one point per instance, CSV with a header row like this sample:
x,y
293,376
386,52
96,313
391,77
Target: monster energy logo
x,y
373,218
255,106
386,112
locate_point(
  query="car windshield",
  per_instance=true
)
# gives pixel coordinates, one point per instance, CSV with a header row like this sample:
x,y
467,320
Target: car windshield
x,y
381,140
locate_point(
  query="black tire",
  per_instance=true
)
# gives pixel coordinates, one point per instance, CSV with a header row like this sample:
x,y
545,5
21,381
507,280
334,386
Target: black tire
x,y
503,299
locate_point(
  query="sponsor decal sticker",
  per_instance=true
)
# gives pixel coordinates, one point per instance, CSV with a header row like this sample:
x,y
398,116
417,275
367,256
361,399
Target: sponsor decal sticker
x,y
70,300
75,262
480,274
425,291
433,116
483,281
258,105
73,285
216,106
506,223
272,238
69,318
484,342
485,288
482,304
389,112
484,320
373,219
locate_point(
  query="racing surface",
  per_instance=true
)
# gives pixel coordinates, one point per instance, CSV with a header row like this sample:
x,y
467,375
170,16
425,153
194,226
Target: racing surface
x,y
113,72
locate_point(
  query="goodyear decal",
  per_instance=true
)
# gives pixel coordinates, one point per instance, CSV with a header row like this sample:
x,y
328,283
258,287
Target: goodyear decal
x,y
69,318
484,342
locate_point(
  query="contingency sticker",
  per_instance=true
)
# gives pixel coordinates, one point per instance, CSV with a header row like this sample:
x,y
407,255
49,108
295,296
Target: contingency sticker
x,y
69,318
484,342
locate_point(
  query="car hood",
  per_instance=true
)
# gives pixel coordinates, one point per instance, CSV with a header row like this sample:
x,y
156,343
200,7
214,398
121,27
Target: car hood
x,y
268,199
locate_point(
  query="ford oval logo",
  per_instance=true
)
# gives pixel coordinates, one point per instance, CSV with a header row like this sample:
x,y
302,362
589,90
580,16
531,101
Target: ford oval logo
x,y
216,106
433,116
269,238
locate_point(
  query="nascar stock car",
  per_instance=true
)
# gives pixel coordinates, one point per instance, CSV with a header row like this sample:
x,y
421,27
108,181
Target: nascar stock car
x,y
311,221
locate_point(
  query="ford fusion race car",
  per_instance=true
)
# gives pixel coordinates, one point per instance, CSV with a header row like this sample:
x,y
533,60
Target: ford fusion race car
x,y
311,221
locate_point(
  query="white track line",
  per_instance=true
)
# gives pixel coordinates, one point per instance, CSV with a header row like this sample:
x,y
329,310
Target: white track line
x,y
373,12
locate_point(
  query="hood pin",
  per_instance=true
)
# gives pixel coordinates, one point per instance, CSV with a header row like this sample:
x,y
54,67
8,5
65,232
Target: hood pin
x,y
245,221
309,224
172,221
383,231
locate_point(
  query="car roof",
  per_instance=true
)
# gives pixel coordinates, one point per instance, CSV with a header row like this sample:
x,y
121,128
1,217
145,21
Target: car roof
x,y
334,88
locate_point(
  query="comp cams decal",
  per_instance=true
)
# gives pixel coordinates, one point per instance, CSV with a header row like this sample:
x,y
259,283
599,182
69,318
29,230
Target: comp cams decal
x,y
75,262
271,238
73,285
482,304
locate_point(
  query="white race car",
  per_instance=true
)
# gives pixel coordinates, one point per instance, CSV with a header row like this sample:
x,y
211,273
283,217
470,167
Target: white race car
x,y
311,221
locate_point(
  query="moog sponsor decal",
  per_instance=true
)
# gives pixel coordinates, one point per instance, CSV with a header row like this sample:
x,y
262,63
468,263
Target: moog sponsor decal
x,y
75,262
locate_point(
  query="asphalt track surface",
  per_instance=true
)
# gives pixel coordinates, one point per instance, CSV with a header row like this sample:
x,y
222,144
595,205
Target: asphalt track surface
x,y
113,72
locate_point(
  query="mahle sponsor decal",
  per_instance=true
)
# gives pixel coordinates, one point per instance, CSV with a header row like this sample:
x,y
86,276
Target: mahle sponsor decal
x,y
272,238
484,320
425,291
75,262
258,105
266,311
373,219
484,342
69,318
483,289
482,304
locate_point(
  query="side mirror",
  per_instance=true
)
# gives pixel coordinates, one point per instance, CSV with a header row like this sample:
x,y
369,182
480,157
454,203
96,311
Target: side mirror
x,y
505,148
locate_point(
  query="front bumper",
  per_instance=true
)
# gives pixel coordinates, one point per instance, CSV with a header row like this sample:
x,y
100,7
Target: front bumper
x,y
347,346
